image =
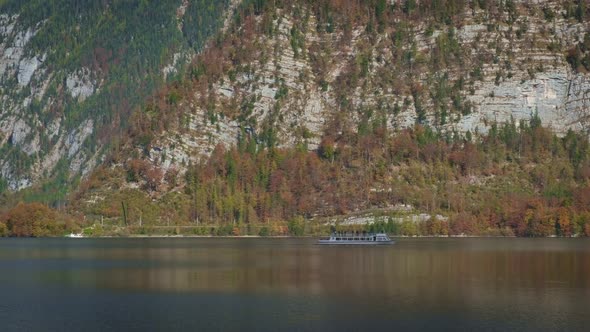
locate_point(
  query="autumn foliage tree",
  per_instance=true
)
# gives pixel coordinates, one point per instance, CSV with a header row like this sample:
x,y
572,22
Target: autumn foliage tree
x,y
32,220
3,230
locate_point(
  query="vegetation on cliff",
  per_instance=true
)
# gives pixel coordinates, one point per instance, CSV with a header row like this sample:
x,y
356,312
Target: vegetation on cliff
x,y
96,62
519,179
514,178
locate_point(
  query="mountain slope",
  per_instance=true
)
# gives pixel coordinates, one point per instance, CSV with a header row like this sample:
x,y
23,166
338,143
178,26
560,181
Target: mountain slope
x,y
436,116
429,115
72,72
299,71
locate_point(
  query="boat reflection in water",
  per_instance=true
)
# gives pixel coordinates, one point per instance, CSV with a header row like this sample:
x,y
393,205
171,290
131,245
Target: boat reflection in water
x,y
357,238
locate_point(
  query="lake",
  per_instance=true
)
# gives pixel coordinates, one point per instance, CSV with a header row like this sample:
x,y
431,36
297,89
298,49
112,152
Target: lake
x,y
204,284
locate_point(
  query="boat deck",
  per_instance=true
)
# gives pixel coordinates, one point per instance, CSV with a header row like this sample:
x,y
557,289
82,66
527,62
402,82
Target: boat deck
x,y
355,238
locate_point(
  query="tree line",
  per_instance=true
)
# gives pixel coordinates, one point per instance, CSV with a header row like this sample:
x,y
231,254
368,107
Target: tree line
x,y
517,179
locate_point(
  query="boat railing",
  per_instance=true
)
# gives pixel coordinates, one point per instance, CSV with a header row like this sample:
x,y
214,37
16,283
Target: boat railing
x,y
358,236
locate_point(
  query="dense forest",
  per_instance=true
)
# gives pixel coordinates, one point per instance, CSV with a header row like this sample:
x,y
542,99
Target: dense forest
x,y
517,178
36,220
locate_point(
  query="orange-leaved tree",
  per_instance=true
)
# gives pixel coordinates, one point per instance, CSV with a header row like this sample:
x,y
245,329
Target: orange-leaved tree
x,y
32,220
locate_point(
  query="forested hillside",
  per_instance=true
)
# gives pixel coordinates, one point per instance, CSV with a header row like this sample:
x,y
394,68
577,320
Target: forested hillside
x,y
72,72
417,117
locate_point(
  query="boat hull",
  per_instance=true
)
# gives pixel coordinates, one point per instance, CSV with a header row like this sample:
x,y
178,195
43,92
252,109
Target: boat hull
x,y
371,243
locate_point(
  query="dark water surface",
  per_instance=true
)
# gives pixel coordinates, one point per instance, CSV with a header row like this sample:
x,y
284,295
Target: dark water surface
x,y
202,284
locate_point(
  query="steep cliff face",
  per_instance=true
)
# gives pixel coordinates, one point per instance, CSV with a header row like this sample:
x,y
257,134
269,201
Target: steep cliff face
x,y
293,72
71,72
298,73
541,80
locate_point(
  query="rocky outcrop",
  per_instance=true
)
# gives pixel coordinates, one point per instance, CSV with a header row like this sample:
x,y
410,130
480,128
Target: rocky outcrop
x,y
511,69
61,98
300,80
24,81
80,85
26,69
577,103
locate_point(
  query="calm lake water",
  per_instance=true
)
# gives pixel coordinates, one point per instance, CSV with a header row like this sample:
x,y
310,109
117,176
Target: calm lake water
x,y
202,284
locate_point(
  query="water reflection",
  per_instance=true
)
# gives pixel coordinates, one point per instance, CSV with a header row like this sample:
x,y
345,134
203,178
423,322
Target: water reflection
x,y
497,277
426,267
